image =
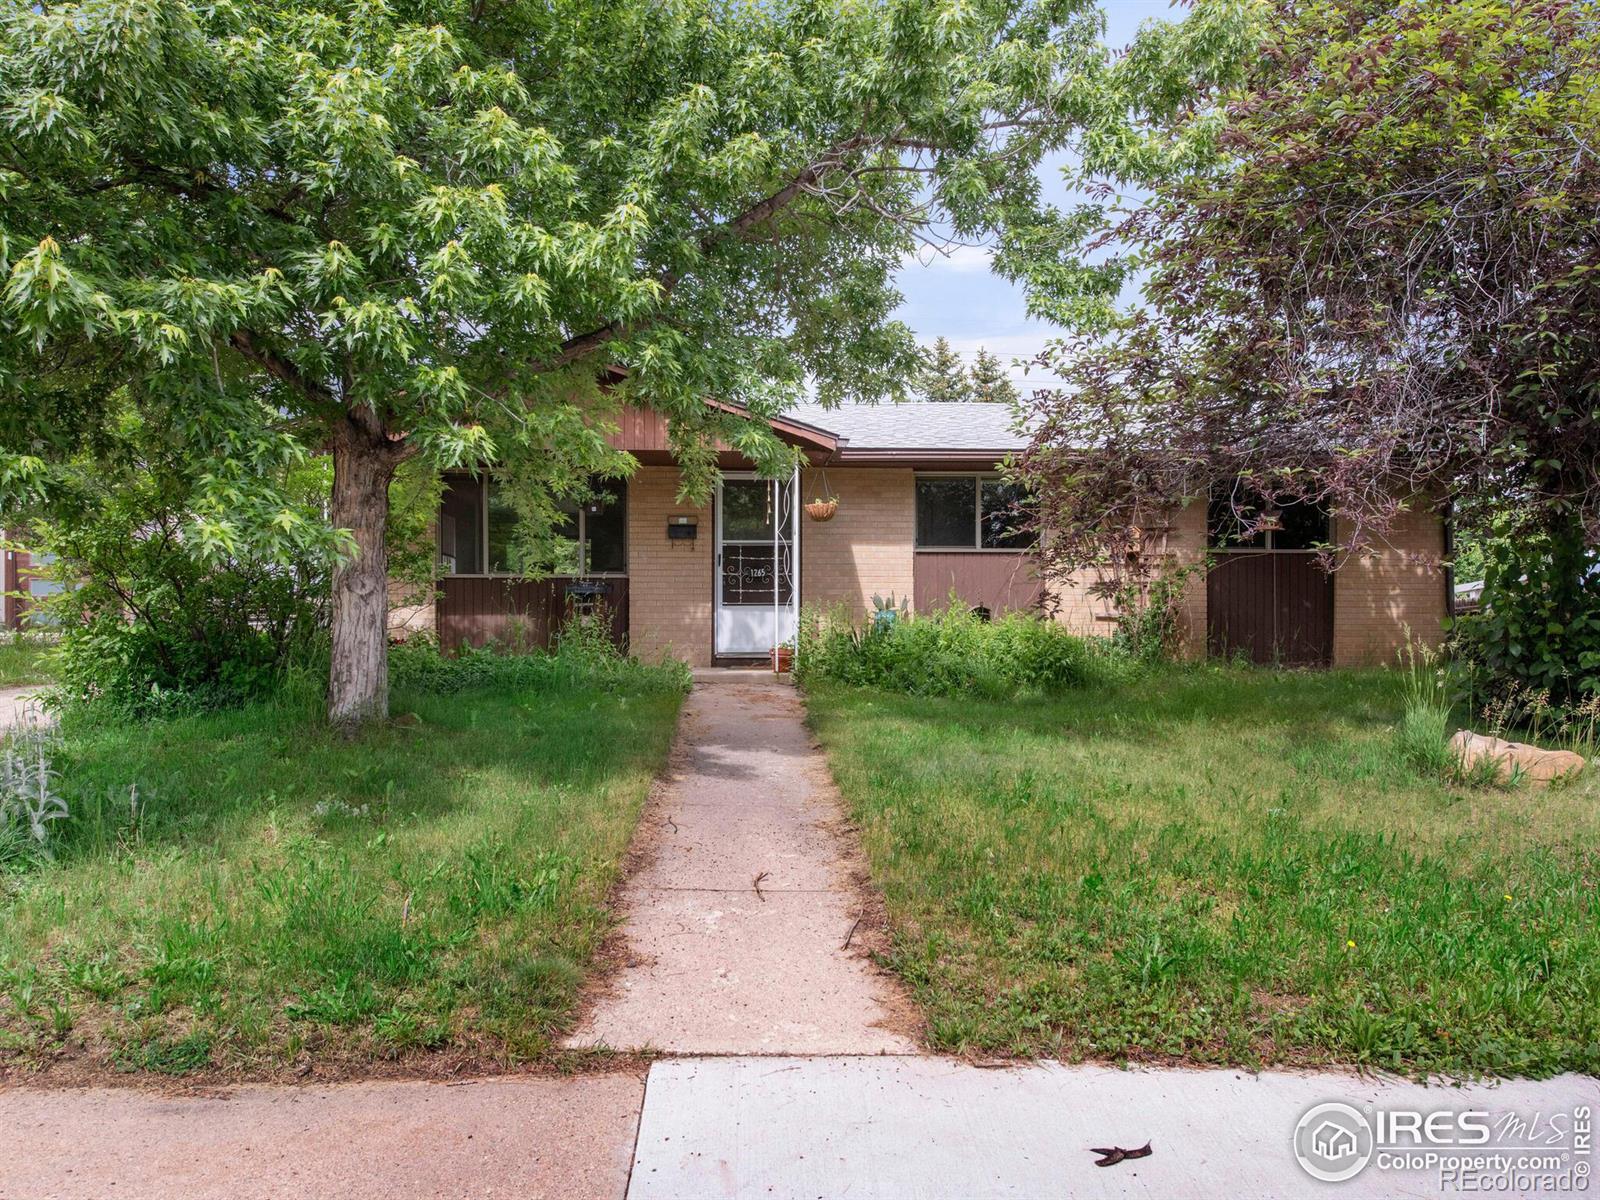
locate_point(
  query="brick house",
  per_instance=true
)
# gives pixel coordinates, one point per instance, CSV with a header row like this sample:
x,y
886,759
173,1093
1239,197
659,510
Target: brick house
x,y
24,582
922,514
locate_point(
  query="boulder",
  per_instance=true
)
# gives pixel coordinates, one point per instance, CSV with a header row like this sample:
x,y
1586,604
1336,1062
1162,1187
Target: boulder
x,y
1526,762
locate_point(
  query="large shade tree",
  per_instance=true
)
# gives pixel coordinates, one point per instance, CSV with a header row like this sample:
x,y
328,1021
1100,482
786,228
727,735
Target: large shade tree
x,y
434,227
1375,282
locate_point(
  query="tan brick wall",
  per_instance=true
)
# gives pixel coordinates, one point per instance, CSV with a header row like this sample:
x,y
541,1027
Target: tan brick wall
x,y
412,610
669,583
866,548
1398,586
1184,542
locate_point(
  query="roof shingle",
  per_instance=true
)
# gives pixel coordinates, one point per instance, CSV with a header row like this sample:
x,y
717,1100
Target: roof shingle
x,y
917,425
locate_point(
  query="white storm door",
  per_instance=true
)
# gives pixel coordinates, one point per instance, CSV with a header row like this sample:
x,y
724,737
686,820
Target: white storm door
x,y
754,606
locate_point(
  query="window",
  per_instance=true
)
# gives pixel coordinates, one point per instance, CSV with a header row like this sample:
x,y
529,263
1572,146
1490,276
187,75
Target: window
x,y
476,526
750,569
1295,526
971,512
460,520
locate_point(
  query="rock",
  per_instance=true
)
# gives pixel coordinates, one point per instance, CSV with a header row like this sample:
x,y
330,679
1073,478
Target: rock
x,y
1526,762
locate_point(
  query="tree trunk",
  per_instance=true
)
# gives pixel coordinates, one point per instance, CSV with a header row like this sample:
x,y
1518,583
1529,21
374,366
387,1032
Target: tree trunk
x,y
358,678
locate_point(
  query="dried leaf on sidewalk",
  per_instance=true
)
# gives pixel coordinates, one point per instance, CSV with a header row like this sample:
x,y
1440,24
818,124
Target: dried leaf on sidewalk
x,y
1110,1156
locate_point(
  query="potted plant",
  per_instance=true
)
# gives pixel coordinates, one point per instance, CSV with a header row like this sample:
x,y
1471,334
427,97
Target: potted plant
x,y
783,658
823,508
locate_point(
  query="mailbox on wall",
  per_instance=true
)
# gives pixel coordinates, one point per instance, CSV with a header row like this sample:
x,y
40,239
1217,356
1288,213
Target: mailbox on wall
x,y
681,529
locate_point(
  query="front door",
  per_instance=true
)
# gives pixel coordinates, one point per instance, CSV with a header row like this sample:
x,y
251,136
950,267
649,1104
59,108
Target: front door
x,y
755,588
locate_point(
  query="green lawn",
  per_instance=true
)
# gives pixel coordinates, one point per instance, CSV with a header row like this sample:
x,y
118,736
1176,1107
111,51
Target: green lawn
x,y
23,660
273,894
1222,866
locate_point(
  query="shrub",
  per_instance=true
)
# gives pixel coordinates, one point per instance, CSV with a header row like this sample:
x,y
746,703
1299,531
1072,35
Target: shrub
x,y
1535,644
167,609
953,652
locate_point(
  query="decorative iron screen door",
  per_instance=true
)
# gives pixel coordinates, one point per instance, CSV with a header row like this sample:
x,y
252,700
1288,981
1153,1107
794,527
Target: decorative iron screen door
x,y
757,596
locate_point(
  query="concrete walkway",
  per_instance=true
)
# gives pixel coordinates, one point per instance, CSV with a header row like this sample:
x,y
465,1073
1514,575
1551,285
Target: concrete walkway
x,y
737,919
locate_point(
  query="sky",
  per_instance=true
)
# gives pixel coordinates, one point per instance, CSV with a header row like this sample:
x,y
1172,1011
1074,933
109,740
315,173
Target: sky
x,y
957,297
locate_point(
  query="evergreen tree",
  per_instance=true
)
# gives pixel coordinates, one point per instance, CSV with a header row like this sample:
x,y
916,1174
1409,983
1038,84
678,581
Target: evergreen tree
x,y
943,378
991,382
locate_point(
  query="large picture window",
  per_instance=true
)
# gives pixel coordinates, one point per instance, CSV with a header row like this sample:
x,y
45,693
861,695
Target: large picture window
x,y
971,512
476,524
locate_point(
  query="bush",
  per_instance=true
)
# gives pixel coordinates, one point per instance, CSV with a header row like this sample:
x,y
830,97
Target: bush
x,y
169,606
584,656
1535,644
952,653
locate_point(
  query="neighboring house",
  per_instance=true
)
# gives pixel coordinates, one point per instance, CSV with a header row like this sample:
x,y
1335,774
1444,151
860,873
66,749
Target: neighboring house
x,y
1469,597
922,513
23,583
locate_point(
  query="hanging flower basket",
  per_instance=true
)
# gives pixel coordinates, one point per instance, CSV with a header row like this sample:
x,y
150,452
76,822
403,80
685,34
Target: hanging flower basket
x,y
822,510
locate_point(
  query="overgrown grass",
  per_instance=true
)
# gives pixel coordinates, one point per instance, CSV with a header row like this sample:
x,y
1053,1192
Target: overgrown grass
x,y
953,652
24,660
244,889
1222,865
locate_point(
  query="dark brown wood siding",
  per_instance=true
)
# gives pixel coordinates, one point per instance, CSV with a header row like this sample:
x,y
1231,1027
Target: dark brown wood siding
x,y
15,586
474,610
1272,607
640,429
998,581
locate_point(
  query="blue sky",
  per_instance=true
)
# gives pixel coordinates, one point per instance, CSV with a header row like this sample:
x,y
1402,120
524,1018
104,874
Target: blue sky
x,y
958,298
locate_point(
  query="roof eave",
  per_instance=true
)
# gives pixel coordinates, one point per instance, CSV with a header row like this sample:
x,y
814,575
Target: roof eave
x,y
929,456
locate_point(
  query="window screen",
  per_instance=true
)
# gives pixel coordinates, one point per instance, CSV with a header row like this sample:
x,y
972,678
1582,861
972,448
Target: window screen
x,y
947,514
502,520
606,532
746,510
1004,516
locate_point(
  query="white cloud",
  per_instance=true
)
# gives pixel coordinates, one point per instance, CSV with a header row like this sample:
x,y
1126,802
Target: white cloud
x,y
960,260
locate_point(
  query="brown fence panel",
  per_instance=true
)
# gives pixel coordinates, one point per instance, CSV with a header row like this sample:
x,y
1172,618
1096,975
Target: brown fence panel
x,y
1305,611
474,611
1241,606
1271,607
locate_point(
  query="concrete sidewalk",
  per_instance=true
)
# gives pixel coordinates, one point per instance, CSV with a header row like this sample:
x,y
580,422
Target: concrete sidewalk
x,y
736,922
878,1127
938,1129
512,1137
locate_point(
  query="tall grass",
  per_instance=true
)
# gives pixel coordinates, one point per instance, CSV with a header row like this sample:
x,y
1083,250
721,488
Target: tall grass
x,y
1422,735
954,652
243,889
1221,866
